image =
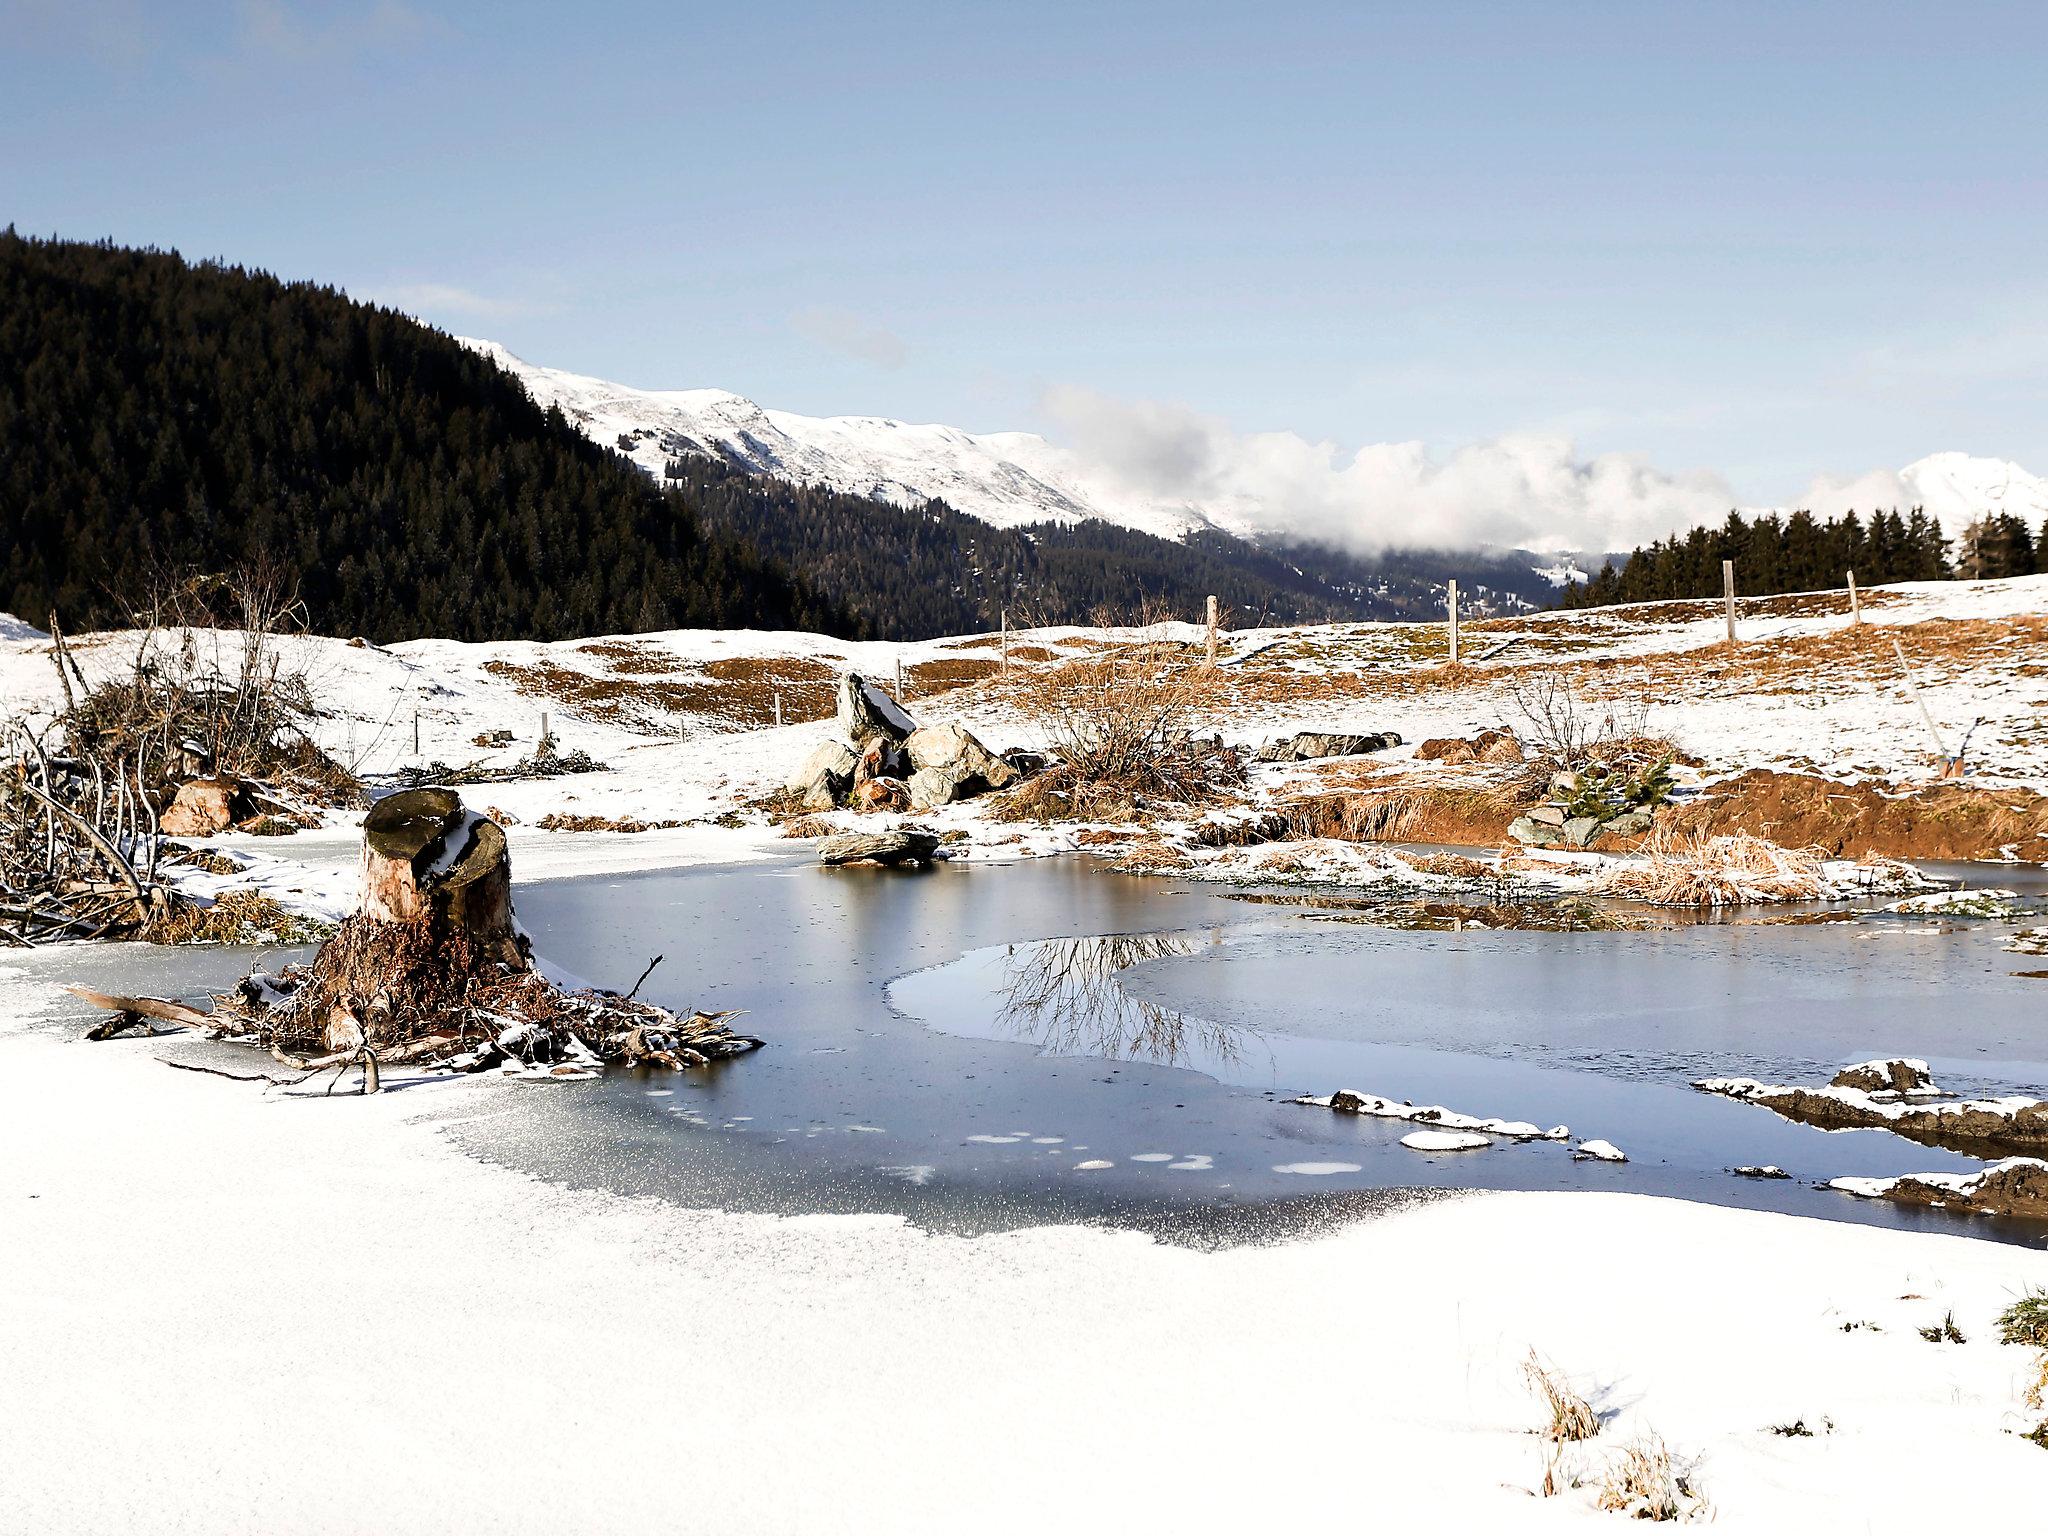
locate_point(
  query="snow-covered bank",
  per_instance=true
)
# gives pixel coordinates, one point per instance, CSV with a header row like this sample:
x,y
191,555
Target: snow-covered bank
x,y
222,1311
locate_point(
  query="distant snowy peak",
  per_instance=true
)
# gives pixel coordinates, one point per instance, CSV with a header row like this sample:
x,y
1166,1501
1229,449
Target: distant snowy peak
x,y
1004,478
1956,487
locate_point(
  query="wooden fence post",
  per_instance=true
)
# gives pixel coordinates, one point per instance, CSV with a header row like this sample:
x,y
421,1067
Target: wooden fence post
x,y
1454,623
899,679
1211,662
1855,607
415,733
1728,597
778,707
1006,642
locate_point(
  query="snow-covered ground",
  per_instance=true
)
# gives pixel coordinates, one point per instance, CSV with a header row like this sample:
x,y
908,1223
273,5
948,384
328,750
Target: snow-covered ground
x,y
682,719
223,1311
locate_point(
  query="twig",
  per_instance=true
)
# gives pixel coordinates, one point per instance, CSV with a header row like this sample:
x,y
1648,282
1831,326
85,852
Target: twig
x,y
643,977
240,1077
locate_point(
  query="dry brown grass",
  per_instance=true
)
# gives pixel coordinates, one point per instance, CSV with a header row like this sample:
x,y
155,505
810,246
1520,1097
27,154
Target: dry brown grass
x,y
633,656
1692,869
737,691
569,821
1643,1484
1571,1417
240,917
808,826
1414,811
928,677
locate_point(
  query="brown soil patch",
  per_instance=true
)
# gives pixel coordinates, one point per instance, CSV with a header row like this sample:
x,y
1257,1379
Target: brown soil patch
x,y
633,656
951,672
1942,821
733,691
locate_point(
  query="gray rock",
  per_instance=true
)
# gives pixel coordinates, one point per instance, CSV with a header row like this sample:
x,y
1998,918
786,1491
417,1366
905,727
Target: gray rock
x,y
1548,815
1628,824
1534,834
1580,831
866,712
933,787
1305,746
959,753
833,757
1563,785
906,845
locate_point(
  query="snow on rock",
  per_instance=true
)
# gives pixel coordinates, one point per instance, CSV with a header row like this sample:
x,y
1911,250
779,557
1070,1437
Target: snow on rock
x,y
1446,1141
2013,1186
12,628
1600,1151
1992,905
1907,1076
1351,1102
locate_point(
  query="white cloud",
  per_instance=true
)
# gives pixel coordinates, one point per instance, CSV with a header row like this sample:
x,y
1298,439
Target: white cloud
x,y
842,330
1531,490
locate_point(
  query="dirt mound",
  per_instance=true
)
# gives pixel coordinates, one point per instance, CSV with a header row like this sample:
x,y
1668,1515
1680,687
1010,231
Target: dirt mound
x,y
1851,821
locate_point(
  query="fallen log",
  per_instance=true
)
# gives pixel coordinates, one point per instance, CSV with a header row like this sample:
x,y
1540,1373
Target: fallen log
x,y
130,1011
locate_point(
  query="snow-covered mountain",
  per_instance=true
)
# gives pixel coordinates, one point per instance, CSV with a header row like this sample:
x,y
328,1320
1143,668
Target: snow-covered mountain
x,y
1013,478
1004,478
1956,487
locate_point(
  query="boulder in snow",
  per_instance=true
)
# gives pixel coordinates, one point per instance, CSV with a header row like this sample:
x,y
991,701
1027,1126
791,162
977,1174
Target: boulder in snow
x,y
866,712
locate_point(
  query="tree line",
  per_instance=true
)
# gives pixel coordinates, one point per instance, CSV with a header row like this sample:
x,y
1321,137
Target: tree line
x,y
1802,553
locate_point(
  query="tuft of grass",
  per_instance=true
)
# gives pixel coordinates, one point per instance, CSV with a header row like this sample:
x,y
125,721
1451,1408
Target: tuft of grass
x,y
1944,1332
1571,1416
1680,869
1644,1485
2026,1321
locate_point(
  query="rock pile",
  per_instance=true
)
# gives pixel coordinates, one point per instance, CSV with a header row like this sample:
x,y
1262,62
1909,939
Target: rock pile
x,y
1306,746
882,760
1593,804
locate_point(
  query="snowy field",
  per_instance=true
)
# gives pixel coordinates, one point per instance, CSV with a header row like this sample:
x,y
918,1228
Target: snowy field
x,y
222,1309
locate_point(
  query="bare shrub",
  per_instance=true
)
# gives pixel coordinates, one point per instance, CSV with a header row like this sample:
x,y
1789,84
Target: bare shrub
x,y
234,699
1697,869
1643,1484
1565,730
1121,725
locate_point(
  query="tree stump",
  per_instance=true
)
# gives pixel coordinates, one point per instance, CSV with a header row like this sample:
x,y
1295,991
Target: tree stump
x,y
427,858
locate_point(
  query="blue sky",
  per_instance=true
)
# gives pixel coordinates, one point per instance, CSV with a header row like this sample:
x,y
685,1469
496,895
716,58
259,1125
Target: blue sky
x,y
1767,241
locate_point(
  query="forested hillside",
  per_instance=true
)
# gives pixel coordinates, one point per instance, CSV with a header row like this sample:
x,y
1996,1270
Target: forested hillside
x,y
911,573
1802,553
159,416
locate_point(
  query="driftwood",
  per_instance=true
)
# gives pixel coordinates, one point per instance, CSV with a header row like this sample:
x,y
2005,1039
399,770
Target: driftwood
x,y
130,1011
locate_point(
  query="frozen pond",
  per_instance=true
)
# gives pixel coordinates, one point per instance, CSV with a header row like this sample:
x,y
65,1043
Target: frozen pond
x,y
985,1046
980,1046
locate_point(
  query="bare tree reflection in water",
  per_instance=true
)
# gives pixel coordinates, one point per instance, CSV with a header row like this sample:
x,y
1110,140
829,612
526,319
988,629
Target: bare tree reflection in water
x,y
1063,995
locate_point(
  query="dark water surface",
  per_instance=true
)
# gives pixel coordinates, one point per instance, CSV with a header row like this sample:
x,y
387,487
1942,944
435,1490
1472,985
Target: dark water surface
x,y
930,1054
